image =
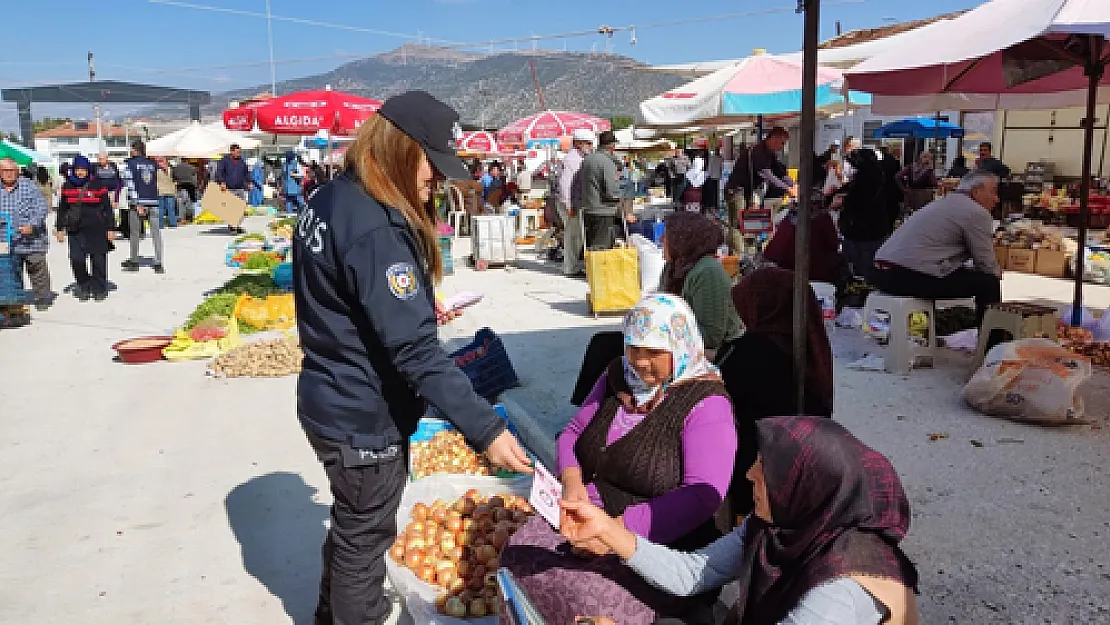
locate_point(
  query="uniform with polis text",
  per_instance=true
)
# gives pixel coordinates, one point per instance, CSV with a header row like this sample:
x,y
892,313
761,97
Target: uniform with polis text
x,y
365,261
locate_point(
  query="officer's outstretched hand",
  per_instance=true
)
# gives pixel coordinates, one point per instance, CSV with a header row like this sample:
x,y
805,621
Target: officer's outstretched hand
x,y
505,452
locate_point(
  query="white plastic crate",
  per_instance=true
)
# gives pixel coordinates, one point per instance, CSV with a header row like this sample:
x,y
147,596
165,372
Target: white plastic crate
x,y
493,238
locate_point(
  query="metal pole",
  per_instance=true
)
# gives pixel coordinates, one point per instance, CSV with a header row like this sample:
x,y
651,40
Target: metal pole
x,y
270,38
1094,71
96,108
802,292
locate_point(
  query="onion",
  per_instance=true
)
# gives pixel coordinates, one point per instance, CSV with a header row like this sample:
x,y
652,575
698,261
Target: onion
x,y
414,558
420,511
415,543
426,573
458,554
454,522
497,502
499,538
454,607
439,512
464,568
397,552
481,511
457,585
447,543
466,507
444,577
472,495
475,583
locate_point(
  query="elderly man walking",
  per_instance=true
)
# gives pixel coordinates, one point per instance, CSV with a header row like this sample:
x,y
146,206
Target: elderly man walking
x,y
570,201
24,208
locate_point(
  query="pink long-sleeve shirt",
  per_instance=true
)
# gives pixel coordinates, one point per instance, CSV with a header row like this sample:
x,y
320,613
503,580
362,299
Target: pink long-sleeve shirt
x,y
708,455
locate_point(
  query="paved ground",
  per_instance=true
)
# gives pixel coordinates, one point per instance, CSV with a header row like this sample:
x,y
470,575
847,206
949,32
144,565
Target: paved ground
x,y
155,494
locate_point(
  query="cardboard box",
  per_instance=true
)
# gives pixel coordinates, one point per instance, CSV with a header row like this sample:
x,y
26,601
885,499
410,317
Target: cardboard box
x,y
1002,254
1051,263
1021,260
223,205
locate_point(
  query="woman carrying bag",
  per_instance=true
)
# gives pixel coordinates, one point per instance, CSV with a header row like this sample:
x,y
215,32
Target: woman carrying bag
x,y
365,263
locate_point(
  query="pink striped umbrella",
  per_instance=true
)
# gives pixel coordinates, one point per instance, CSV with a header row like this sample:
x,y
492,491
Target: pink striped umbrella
x,y
479,141
550,125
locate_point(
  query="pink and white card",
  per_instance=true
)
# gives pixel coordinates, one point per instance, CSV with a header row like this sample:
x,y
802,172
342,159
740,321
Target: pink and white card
x,y
546,493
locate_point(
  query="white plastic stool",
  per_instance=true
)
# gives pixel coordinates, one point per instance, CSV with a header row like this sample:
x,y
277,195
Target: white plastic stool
x,y
900,353
529,221
456,219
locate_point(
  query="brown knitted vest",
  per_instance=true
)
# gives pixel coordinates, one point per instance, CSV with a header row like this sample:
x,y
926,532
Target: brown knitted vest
x,y
647,461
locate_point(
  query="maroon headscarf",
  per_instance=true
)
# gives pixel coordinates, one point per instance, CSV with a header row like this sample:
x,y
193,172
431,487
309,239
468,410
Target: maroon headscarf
x,y
838,509
689,238
764,300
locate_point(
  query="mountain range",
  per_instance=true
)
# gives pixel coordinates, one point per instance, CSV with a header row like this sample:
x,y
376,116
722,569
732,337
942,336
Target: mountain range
x,y
488,90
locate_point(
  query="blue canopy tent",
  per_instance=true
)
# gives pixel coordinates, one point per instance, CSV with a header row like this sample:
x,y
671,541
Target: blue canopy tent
x,y
919,128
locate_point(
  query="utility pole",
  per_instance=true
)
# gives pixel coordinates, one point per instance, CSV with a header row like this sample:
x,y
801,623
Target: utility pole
x,y
270,39
808,122
96,108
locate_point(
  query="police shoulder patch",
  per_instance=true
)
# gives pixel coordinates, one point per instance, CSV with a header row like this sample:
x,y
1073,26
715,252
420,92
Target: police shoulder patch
x,y
402,280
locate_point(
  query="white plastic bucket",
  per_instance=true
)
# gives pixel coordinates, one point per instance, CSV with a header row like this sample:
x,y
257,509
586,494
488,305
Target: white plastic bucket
x,y
651,263
826,296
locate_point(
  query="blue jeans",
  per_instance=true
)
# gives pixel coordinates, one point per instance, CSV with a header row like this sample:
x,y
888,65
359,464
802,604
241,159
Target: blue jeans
x,y
294,203
167,204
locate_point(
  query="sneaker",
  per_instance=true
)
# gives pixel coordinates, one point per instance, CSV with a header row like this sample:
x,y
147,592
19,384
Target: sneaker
x,y
81,294
42,306
159,269
130,265
100,297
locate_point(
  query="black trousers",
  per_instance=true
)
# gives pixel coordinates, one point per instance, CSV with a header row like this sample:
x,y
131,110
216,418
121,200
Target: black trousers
x,y
90,269
984,287
366,488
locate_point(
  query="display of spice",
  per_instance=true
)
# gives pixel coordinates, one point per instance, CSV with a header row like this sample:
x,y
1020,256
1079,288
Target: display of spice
x,y
447,452
457,547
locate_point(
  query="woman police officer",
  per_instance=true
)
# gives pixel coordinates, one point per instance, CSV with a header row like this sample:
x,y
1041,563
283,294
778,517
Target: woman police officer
x,y
365,260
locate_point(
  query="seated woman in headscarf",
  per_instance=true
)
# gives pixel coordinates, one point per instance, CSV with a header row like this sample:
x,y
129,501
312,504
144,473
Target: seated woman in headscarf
x,y
758,368
653,445
822,546
825,262
692,272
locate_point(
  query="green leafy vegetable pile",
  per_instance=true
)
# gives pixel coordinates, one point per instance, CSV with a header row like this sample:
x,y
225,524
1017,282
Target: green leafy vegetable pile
x,y
253,284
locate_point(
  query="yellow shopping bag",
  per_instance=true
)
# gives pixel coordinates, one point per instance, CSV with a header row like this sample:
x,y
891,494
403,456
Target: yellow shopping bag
x,y
613,277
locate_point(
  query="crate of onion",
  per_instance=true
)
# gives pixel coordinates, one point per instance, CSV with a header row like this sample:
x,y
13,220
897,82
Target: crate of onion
x,y
451,530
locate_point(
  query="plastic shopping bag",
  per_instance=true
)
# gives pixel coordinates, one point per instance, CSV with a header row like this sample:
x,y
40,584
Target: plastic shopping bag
x,y
274,312
1030,380
613,277
420,597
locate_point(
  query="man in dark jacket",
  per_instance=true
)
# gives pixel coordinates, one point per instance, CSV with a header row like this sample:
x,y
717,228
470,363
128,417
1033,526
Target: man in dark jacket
x,y
140,175
233,175
599,192
185,177
85,215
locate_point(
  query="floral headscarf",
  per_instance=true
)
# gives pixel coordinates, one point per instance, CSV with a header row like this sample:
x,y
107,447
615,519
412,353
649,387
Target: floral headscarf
x,y
664,321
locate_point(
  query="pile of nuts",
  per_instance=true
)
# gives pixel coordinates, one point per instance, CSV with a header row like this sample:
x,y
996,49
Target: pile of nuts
x,y
447,452
259,359
457,547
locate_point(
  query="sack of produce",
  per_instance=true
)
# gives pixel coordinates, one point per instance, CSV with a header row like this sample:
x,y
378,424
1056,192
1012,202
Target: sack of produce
x,y
451,529
1030,380
438,447
207,338
274,312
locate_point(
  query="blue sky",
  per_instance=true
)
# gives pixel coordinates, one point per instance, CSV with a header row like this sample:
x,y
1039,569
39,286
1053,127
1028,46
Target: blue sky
x,y
176,43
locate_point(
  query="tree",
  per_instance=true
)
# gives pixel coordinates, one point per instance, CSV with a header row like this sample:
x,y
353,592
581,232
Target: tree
x,y
621,122
48,123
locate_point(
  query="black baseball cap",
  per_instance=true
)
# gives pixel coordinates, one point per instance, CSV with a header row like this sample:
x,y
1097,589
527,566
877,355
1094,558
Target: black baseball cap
x,y
430,123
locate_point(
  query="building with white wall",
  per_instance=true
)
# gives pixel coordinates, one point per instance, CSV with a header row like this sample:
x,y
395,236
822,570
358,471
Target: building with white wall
x,y
79,139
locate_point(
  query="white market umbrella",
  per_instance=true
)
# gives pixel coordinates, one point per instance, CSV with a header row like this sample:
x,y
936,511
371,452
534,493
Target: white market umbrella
x,y
1004,54
197,141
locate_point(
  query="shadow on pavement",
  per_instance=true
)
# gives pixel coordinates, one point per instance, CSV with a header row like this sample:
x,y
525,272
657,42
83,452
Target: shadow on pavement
x,y
280,530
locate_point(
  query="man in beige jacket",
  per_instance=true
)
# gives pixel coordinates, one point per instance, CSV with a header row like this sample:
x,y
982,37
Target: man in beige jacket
x,y
927,257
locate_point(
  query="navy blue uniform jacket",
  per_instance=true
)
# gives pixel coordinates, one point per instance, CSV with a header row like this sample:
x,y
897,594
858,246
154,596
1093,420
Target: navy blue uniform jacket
x,y
367,324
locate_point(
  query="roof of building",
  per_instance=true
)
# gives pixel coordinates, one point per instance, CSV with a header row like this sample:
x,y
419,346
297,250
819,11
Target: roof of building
x,y
69,130
863,35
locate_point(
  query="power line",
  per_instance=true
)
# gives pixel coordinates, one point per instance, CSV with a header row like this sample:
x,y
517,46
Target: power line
x,y
297,20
